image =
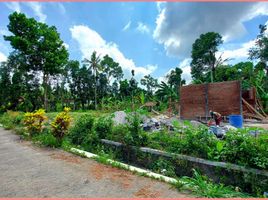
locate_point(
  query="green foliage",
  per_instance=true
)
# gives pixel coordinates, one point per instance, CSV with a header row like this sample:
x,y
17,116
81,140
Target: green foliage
x,y
46,139
10,119
103,127
135,136
61,124
204,55
166,93
175,80
94,64
204,187
118,133
241,148
259,51
39,48
34,121
238,147
82,129
150,83
164,167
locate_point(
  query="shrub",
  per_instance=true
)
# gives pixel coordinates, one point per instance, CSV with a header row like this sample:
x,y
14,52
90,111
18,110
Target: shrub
x,y
241,148
103,127
34,121
118,133
18,119
61,124
83,128
46,139
135,135
164,167
204,187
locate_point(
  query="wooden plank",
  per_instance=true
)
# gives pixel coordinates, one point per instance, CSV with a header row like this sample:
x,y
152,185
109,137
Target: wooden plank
x,y
253,109
261,108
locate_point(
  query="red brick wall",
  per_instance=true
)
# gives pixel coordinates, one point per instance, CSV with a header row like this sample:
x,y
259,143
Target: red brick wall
x,y
223,97
192,101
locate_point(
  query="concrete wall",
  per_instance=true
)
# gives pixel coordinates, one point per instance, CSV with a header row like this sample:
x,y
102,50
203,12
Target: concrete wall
x,y
248,179
222,97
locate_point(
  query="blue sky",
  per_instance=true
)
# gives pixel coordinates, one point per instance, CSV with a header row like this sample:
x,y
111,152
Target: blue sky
x,y
150,37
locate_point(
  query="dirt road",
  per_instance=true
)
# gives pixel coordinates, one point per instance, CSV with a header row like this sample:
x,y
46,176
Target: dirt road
x,y
30,171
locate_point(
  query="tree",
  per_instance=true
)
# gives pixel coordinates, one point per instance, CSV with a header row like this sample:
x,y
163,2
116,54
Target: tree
x,y
260,51
204,55
133,86
40,46
175,80
166,92
94,64
150,83
111,68
124,89
5,82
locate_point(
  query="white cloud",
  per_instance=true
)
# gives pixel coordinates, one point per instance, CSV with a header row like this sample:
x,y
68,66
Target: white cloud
x,y
89,40
184,65
142,28
4,32
186,70
160,4
237,54
179,24
61,8
127,26
38,10
15,6
66,45
2,57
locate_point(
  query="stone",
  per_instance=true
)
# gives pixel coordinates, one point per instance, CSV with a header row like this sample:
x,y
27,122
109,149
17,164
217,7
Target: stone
x,y
120,117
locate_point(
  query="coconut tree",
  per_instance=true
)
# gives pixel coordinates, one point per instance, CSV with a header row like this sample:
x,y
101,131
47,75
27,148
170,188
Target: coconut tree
x,y
94,65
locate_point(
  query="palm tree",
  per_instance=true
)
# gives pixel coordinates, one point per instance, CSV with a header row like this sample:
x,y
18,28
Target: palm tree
x,y
94,64
166,92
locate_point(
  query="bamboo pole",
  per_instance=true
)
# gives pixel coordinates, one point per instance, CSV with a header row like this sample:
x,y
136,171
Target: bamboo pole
x,y
253,109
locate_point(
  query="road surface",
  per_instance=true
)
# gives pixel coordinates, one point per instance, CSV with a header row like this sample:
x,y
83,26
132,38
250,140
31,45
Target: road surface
x,y
30,171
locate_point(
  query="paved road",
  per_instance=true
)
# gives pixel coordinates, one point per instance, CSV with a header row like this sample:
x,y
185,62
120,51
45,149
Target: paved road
x,y
30,171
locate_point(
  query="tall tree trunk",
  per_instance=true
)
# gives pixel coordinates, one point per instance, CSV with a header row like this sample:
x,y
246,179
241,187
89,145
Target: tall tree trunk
x,y
95,91
212,73
45,81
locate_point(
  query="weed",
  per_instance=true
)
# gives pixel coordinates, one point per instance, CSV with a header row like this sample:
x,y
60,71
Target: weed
x,y
204,187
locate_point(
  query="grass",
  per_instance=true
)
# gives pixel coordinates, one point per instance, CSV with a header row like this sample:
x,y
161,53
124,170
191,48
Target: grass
x,y
76,115
203,187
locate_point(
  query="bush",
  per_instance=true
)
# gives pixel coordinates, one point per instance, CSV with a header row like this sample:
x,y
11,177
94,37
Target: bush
x,y
46,139
103,127
164,167
34,121
118,133
9,119
83,128
18,119
135,135
204,187
241,148
61,124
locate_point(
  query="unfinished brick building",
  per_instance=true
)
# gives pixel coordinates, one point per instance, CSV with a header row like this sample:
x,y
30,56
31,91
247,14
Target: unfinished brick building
x,y
223,97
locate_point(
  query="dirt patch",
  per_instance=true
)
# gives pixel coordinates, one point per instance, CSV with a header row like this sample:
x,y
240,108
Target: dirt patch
x,y
97,171
146,192
264,126
115,175
67,158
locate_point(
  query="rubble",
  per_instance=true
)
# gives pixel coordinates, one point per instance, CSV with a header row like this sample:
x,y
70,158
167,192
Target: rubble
x,y
120,117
